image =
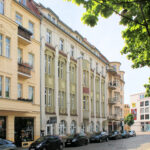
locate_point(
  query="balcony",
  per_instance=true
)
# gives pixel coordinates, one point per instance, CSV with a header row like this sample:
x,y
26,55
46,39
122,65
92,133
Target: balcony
x,y
62,111
112,70
73,112
25,99
24,36
112,100
49,109
24,70
86,114
112,85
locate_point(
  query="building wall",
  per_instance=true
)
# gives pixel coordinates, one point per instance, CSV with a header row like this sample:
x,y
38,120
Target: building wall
x,y
141,105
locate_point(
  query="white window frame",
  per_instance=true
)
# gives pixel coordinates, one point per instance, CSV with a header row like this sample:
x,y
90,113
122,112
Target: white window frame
x,y
48,36
31,60
31,93
18,19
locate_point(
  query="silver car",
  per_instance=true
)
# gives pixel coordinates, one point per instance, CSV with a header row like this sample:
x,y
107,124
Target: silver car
x,y
7,145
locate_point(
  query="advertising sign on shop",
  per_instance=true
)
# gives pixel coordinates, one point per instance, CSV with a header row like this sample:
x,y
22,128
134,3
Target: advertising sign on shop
x,y
134,112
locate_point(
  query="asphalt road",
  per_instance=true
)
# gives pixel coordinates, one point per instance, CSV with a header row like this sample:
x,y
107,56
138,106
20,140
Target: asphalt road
x,y
140,142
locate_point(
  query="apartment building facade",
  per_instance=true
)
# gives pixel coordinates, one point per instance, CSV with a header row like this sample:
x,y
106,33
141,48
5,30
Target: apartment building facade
x,y
115,97
19,71
126,113
74,76
140,106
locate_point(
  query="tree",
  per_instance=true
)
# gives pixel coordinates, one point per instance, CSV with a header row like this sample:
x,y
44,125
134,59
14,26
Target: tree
x,y
135,15
129,120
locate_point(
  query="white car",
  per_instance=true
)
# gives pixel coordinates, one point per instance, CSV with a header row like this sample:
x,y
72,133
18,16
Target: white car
x,y
132,133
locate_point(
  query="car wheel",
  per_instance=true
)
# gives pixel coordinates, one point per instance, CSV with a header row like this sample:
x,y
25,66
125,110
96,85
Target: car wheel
x,y
61,147
107,139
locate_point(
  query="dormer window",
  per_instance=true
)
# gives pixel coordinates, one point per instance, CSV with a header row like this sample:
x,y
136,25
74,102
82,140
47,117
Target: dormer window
x,y
49,16
53,20
2,7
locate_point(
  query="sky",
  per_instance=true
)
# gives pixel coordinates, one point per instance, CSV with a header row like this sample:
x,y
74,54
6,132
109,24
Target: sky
x,y
106,36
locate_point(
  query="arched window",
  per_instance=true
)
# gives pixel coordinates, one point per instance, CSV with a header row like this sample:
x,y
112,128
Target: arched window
x,y
62,127
92,127
73,127
98,127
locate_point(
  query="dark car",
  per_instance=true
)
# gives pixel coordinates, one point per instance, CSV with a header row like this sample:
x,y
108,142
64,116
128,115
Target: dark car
x,y
46,143
115,135
7,145
125,134
76,140
99,137
132,133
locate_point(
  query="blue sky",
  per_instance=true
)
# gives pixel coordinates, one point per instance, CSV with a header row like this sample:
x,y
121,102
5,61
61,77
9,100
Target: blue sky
x,y
106,36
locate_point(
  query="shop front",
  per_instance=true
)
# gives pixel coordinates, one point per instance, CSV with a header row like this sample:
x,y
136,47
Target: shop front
x,y
24,130
2,127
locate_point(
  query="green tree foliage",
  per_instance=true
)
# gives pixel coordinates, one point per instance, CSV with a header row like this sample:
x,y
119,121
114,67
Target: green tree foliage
x,y
129,120
135,15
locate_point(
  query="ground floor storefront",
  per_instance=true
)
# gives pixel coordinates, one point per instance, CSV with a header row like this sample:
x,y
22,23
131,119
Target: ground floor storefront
x,y
22,128
141,126
115,126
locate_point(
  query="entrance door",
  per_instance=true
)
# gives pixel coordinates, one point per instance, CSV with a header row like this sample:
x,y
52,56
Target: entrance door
x,y
50,129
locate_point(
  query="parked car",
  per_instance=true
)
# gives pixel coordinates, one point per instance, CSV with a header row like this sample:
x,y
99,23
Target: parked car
x,y
46,143
115,135
7,145
76,140
99,137
132,133
125,134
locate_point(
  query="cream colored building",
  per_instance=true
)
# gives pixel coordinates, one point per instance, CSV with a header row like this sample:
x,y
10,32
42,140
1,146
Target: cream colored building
x,y
19,71
74,80
115,97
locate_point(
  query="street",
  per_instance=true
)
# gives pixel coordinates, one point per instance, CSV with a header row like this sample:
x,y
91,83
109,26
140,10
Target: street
x,y
140,142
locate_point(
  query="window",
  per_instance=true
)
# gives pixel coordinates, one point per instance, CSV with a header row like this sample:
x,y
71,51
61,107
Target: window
x,y
49,65
19,56
102,70
141,96
1,6
53,19
49,16
31,28
22,2
0,86
19,90
90,62
147,110
7,54
61,71
30,93
61,44
49,97
18,19
48,36
61,97
72,51
141,104
142,117
147,116
84,78
45,63
96,67
73,127
146,103
141,110
7,87
84,103
31,60
1,45
62,128
45,96
82,54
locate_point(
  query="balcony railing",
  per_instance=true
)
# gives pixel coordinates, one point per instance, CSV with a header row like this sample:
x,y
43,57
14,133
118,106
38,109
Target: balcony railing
x,y
85,114
113,100
49,109
112,70
24,70
25,99
112,85
24,35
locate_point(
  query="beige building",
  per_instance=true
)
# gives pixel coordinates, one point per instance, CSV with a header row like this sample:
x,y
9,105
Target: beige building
x,y
74,81
115,97
19,71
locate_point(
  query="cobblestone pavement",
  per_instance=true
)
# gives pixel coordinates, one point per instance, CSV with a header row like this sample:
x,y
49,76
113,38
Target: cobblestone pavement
x,y
140,142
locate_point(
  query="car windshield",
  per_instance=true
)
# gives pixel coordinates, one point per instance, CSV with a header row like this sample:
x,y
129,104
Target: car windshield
x,y
41,139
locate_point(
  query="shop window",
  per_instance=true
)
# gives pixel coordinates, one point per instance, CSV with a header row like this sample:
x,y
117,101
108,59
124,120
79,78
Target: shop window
x,y
146,103
2,127
147,116
141,104
142,117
